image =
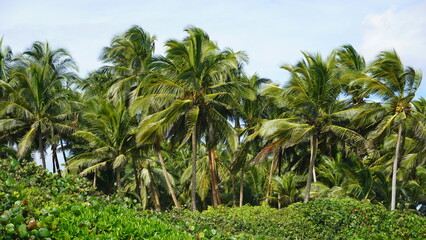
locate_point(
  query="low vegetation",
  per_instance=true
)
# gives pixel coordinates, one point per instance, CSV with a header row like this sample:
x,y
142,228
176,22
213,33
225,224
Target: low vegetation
x,y
36,204
41,205
319,219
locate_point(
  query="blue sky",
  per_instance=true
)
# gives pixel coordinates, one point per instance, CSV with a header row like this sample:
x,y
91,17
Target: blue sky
x,y
271,32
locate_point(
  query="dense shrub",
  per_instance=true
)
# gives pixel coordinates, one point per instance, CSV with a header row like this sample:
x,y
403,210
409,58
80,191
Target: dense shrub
x,y
36,204
318,219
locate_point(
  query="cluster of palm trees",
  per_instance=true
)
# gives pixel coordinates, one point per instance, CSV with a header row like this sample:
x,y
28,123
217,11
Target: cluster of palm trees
x,y
191,128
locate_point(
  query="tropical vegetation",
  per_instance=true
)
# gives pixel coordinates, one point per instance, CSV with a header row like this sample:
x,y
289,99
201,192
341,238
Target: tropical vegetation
x,y
191,129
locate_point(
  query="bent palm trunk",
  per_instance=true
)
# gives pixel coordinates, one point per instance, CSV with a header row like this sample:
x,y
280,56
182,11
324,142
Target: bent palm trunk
x,y
166,176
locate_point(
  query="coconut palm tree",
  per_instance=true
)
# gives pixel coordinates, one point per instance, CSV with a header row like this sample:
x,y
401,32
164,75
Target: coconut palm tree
x,y
192,85
156,143
312,95
130,55
351,65
397,86
36,106
110,141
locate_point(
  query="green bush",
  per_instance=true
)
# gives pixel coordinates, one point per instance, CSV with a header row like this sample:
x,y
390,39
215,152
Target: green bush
x,y
36,204
318,219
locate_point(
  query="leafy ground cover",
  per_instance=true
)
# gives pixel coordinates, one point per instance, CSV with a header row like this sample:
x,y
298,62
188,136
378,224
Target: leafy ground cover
x,y
318,219
36,204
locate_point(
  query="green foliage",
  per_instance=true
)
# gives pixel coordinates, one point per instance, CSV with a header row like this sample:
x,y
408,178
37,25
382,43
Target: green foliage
x,y
40,205
318,219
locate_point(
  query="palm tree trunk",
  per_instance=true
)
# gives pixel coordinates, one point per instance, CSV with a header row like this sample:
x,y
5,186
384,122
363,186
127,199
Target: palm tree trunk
x,y
41,150
214,196
94,178
242,184
213,172
234,192
194,169
216,181
271,173
55,160
398,154
279,200
118,178
154,190
166,176
63,152
138,182
314,146
314,175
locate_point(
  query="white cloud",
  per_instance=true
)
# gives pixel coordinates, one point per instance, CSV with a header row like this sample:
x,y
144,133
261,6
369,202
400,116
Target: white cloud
x,y
402,29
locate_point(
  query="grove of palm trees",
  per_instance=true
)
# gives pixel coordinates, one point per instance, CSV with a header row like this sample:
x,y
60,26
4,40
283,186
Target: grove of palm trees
x,y
190,129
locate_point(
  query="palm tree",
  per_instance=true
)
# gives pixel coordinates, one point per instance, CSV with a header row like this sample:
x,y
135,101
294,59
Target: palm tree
x,y
155,142
192,81
130,55
397,86
36,105
312,95
110,141
351,65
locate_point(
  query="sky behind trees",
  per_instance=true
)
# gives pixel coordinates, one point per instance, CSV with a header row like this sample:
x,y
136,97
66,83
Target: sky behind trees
x,y
271,32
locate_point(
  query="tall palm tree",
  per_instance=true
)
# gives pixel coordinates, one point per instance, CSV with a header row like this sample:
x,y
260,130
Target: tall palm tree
x,y
351,65
192,85
397,86
36,105
130,55
312,95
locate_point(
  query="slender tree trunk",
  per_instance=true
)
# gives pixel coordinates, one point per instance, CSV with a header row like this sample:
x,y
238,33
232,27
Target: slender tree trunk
x,y
138,181
94,178
213,173
314,175
63,152
213,188
242,184
194,169
216,180
271,173
41,150
280,163
154,190
234,190
314,146
118,177
166,176
398,154
234,193
279,200
55,160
